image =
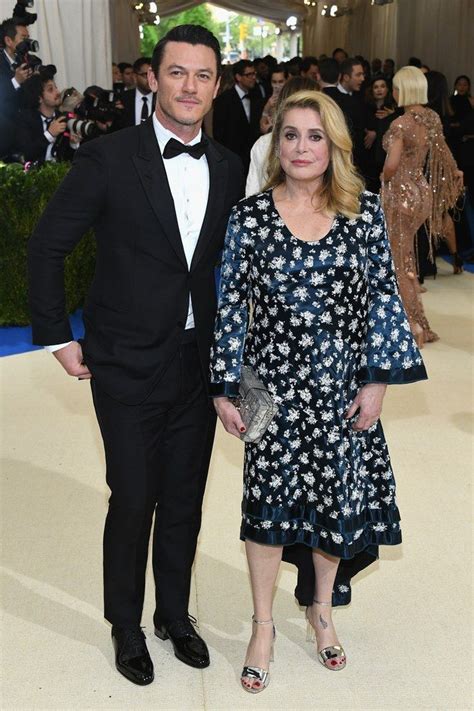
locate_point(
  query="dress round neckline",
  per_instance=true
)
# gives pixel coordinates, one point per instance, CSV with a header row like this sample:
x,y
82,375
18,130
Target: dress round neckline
x,y
294,237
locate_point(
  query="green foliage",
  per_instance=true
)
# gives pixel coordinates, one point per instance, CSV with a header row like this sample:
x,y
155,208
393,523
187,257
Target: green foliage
x,y
240,27
200,15
23,197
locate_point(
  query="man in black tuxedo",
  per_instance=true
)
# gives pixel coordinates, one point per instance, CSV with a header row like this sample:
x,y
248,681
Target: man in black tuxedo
x,y
138,103
149,319
237,113
329,76
12,33
363,135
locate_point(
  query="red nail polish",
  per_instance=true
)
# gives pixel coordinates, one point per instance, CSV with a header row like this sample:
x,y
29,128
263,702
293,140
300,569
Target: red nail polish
x,y
242,429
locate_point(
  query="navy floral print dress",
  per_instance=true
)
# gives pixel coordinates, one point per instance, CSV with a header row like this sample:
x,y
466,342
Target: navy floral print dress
x,y
316,320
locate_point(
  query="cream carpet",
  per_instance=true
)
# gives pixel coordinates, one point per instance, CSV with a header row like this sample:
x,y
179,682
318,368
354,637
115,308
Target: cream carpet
x,y
407,633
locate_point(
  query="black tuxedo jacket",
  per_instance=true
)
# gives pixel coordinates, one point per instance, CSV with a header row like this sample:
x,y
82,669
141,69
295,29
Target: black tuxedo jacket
x,y
230,125
10,102
127,116
137,304
30,139
9,96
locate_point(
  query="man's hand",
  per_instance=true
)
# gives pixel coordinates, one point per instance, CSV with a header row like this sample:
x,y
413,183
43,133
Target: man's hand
x,y
70,358
370,137
22,73
74,139
57,126
384,112
369,403
229,416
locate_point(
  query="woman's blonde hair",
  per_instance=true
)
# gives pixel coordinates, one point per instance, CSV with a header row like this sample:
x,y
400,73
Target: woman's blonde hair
x,y
412,86
342,186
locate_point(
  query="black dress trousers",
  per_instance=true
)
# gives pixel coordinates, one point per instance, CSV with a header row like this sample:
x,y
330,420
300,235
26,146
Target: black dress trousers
x,y
157,457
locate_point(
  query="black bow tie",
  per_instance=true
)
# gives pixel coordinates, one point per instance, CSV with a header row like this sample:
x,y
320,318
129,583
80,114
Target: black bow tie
x,y
175,148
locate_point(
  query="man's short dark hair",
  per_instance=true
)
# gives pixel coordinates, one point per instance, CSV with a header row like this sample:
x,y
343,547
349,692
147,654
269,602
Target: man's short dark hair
x,y
240,66
279,69
34,86
347,66
329,70
191,34
307,63
8,29
338,49
415,62
138,63
124,65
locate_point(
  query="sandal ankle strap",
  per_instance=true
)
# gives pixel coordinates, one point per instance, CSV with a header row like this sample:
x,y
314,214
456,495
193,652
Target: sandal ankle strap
x,y
262,622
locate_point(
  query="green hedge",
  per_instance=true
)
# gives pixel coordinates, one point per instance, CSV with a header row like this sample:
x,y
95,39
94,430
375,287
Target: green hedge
x,y
23,197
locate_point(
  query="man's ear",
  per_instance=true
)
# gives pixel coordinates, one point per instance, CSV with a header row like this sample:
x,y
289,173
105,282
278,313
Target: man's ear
x,y
152,80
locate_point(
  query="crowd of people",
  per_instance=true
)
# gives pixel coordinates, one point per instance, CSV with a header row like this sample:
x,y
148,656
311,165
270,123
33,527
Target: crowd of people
x,y
309,297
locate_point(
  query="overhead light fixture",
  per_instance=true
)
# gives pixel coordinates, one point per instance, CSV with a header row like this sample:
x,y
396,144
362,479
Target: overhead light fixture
x,y
147,12
335,11
291,22
381,2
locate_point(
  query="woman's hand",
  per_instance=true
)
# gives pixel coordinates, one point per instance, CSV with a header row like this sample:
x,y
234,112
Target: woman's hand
x,y
229,416
369,403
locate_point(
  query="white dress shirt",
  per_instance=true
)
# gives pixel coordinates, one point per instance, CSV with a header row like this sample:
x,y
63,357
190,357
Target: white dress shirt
x,y
258,174
49,137
188,179
245,101
342,90
139,105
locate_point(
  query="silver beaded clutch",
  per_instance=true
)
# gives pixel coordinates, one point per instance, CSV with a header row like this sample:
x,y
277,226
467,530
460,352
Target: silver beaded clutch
x,y
256,406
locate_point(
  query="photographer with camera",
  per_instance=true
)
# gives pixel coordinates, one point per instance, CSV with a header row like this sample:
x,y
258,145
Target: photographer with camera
x,y
13,74
42,130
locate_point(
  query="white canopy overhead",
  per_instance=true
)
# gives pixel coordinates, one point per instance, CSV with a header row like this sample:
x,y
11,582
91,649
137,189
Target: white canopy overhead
x,y
275,10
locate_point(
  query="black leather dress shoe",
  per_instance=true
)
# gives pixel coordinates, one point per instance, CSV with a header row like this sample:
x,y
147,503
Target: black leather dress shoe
x,y
131,655
189,647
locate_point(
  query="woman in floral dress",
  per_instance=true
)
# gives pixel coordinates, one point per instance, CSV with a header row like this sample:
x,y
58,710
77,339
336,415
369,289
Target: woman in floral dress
x,y
309,259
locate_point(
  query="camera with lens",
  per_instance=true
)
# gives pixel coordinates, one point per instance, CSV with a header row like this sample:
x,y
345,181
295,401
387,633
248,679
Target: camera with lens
x,y
19,12
98,105
81,127
23,54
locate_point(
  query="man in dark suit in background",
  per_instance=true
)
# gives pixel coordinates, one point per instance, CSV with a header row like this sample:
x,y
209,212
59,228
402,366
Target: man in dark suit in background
x,y
237,112
149,320
363,135
12,77
138,103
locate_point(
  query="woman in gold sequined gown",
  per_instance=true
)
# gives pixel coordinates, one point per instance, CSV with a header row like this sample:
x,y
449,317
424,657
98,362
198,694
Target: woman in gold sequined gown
x,y
420,183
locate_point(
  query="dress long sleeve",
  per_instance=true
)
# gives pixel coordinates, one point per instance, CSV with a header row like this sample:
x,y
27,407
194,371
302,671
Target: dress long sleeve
x,y
391,355
233,309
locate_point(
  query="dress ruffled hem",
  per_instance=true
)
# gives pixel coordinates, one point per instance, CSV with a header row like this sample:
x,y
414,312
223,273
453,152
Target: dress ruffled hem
x,y
326,541
298,546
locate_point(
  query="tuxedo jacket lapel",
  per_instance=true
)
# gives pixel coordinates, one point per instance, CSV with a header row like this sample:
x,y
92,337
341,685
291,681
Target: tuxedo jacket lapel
x,y
218,177
152,174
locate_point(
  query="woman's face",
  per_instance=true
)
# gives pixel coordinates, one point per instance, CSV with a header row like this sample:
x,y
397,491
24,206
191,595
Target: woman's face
x,y
278,82
462,87
379,89
304,145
